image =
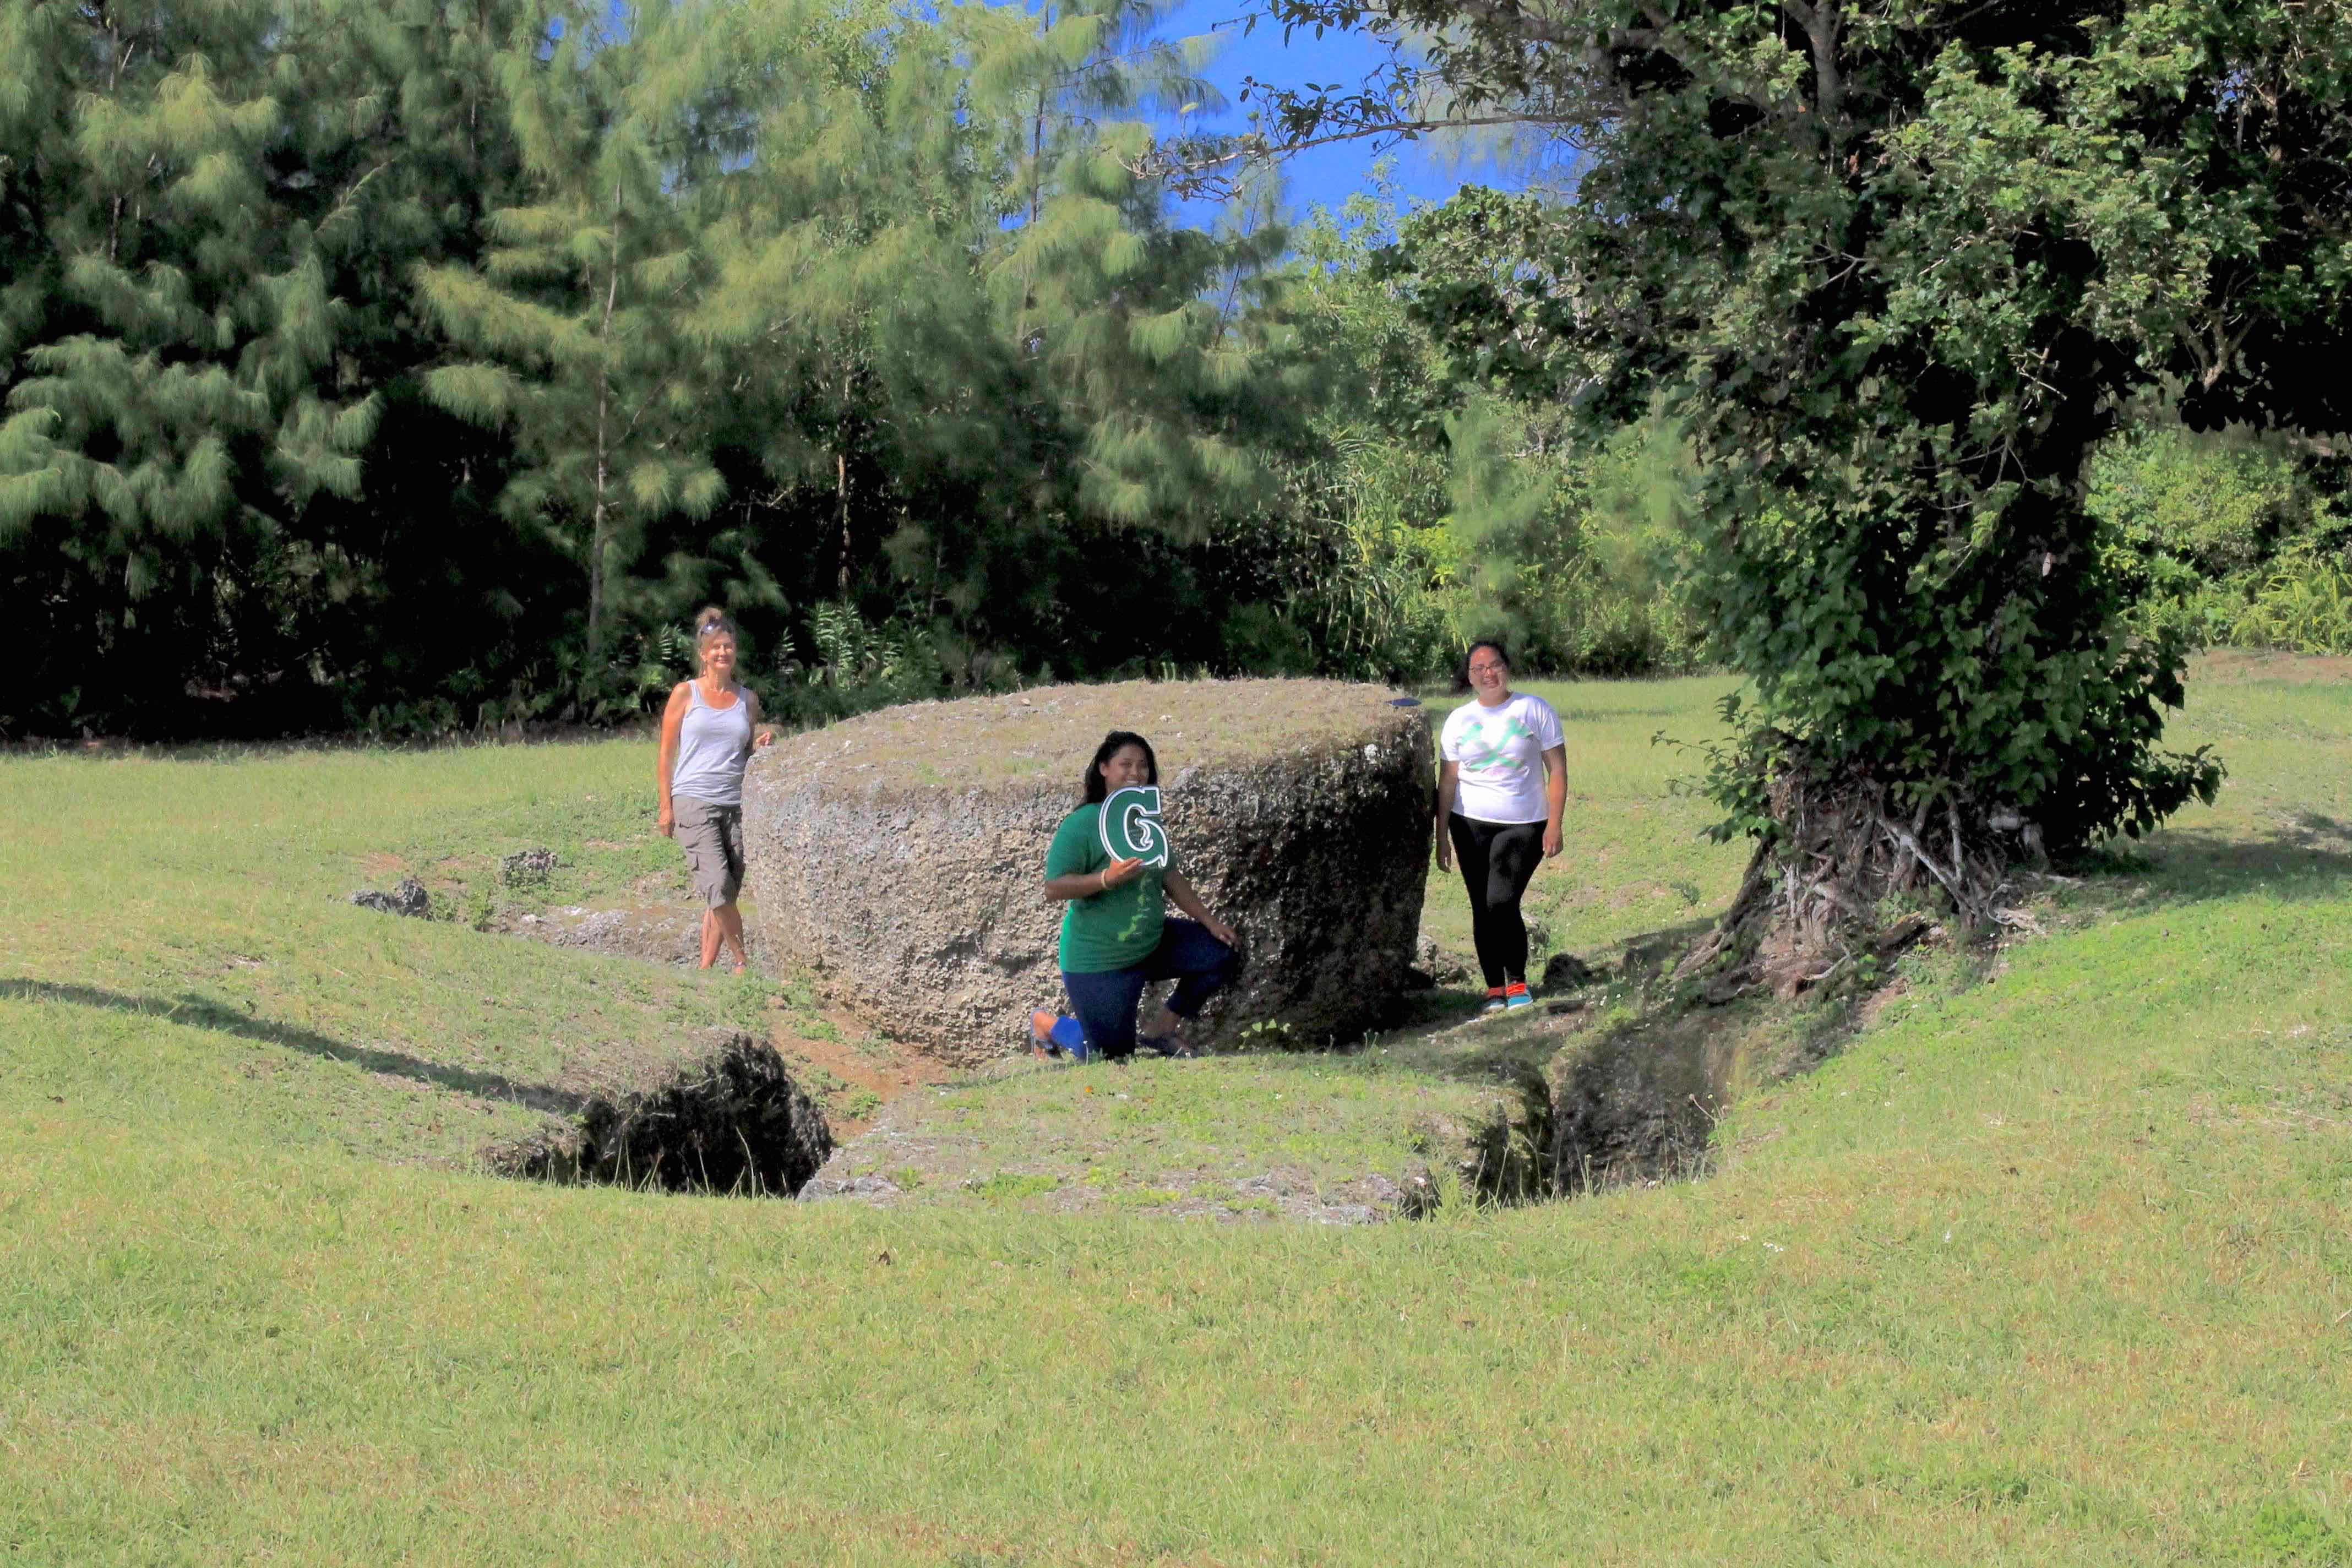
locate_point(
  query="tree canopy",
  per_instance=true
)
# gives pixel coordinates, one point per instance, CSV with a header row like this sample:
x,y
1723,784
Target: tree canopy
x,y
559,319
1896,268
413,368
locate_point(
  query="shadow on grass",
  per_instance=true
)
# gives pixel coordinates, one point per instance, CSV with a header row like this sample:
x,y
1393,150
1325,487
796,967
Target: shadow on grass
x,y
1607,715
2308,855
202,1013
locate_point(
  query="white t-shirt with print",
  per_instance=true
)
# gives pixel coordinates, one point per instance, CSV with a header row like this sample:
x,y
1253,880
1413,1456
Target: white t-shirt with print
x,y
1500,749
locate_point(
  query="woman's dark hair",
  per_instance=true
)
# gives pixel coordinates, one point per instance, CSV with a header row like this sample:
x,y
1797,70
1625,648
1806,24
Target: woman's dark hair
x,y
1094,791
1462,676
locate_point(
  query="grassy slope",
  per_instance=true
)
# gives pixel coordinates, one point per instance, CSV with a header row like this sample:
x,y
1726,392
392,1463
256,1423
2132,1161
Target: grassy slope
x,y
2050,1267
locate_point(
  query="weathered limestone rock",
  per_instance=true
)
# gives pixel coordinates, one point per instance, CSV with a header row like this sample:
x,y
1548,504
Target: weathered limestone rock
x,y
409,897
898,858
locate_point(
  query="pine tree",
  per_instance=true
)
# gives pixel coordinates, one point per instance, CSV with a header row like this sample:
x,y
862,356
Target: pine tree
x,y
578,315
317,310
205,209
970,345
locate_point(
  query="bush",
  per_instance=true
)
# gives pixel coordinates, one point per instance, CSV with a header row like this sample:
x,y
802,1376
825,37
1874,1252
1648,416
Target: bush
x,y
2233,542
1572,558
2304,607
2214,505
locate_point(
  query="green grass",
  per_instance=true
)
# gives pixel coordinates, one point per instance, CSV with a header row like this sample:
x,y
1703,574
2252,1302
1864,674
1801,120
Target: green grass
x,y
2051,1265
1232,1137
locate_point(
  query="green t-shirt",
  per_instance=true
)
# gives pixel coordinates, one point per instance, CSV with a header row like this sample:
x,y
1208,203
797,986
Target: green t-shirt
x,y
1116,929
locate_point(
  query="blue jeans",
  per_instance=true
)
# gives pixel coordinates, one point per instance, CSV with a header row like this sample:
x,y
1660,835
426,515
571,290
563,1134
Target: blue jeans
x,y
1199,964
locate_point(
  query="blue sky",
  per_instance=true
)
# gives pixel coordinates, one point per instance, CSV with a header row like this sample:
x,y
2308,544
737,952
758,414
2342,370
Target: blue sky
x,y
1325,174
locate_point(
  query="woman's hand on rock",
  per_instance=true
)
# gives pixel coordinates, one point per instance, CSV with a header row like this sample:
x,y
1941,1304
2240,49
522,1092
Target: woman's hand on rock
x,y
1219,930
1119,872
1551,840
764,738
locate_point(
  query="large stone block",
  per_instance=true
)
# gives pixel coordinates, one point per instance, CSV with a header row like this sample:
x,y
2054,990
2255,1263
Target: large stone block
x,y
899,858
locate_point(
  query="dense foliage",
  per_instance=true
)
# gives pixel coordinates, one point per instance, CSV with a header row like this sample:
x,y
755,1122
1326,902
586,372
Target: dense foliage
x,y
2236,540
1456,501
415,366
1897,269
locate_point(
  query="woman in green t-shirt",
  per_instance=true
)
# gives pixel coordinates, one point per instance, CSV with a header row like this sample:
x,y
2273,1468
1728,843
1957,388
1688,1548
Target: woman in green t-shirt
x,y
1117,936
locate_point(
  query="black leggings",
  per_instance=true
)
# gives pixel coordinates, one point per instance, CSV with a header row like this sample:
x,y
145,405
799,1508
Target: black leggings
x,y
1497,858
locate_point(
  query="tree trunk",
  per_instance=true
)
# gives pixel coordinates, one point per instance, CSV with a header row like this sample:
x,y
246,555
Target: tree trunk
x,y
841,491
1847,874
599,518
1038,155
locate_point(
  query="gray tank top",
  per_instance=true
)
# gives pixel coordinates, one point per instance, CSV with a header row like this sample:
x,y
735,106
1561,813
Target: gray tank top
x,y
712,744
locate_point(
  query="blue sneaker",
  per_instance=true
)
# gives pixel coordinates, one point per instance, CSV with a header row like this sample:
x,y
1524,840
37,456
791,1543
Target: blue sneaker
x,y
1516,997
1057,1038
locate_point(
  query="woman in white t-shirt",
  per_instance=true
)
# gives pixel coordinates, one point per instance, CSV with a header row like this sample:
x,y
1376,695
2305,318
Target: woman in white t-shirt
x,y
1501,787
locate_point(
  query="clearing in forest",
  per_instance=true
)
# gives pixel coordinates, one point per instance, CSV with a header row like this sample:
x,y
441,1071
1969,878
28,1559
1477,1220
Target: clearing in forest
x,y
2047,1262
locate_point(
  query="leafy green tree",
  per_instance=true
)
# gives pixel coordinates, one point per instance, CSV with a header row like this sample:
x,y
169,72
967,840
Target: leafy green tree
x,y
1449,497
871,323
1897,266
2214,505
980,389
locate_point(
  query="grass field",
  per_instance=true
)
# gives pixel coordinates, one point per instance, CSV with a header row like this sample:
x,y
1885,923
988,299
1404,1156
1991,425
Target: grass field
x,y
2052,1264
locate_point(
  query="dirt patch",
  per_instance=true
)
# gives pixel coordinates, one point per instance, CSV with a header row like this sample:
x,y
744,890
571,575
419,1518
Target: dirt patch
x,y
857,1075
728,1118
1638,1102
905,1158
2246,666
663,932
1092,1139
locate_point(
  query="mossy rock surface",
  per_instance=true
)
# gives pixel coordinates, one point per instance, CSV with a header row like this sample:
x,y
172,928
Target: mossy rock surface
x,y
899,858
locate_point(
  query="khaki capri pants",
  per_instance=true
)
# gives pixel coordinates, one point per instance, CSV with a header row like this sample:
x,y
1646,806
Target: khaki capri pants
x,y
712,836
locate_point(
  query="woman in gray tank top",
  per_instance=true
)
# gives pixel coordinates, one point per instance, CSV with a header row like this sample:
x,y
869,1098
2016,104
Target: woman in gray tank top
x,y
707,734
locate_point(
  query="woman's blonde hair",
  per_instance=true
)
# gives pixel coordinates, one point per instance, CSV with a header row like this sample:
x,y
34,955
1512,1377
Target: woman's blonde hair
x,y
710,621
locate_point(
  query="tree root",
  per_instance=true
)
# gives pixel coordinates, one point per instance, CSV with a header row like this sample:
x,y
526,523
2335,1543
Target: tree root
x,y
1843,877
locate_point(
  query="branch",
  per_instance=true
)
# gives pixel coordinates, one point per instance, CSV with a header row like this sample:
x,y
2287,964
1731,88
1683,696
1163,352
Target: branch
x,y
1820,22
1510,15
1257,146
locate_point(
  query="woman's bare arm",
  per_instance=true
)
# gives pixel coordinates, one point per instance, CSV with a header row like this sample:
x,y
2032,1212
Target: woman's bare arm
x,y
666,763
1181,894
1554,796
1449,780
1086,884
